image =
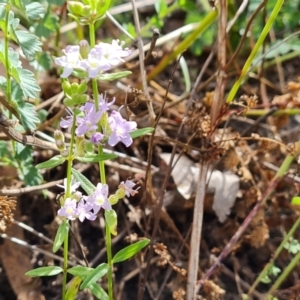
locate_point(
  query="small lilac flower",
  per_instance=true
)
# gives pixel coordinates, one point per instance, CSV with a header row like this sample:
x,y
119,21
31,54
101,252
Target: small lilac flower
x,y
69,61
99,199
67,122
95,63
104,104
73,188
120,129
68,210
128,187
112,53
84,211
88,122
96,138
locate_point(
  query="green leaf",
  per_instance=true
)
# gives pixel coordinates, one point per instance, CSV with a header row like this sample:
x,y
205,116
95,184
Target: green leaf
x,y
29,43
28,115
52,162
13,56
87,186
98,291
95,275
266,279
102,7
140,132
89,158
4,149
43,62
28,83
56,2
73,288
62,233
44,271
47,26
130,251
18,3
113,76
111,220
80,271
32,177
295,200
35,11
161,7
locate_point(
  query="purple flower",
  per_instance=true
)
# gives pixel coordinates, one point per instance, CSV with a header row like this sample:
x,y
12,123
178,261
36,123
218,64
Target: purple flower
x,y
112,53
120,129
69,61
99,199
68,210
94,63
84,211
89,122
102,57
104,104
128,187
96,138
67,122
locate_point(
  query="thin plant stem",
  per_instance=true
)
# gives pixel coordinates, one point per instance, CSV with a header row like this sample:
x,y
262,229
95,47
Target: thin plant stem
x,y
287,270
276,179
102,176
68,194
109,262
276,254
255,50
65,266
7,62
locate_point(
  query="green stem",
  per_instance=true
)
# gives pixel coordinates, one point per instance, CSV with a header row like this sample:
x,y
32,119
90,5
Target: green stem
x,y
109,262
287,270
7,63
254,52
276,254
65,266
67,195
102,176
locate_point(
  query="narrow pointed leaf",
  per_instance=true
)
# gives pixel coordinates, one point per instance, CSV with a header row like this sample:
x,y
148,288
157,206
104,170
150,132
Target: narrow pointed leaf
x,y
95,275
88,187
52,162
80,271
44,271
62,233
130,251
96,157
98,291
73,288
113,76
141,132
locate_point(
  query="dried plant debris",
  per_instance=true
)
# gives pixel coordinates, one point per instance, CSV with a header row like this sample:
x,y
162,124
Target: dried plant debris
x,y
7,205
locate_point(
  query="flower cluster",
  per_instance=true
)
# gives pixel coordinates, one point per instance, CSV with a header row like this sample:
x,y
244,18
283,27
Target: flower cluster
x,y
99,59
82,207
115,130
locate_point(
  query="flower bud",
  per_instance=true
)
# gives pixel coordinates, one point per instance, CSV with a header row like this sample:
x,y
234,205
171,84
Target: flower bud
x,y
77,196
59,140
76,8
113,199
79,145
120,193
66,86
84,48
111,220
